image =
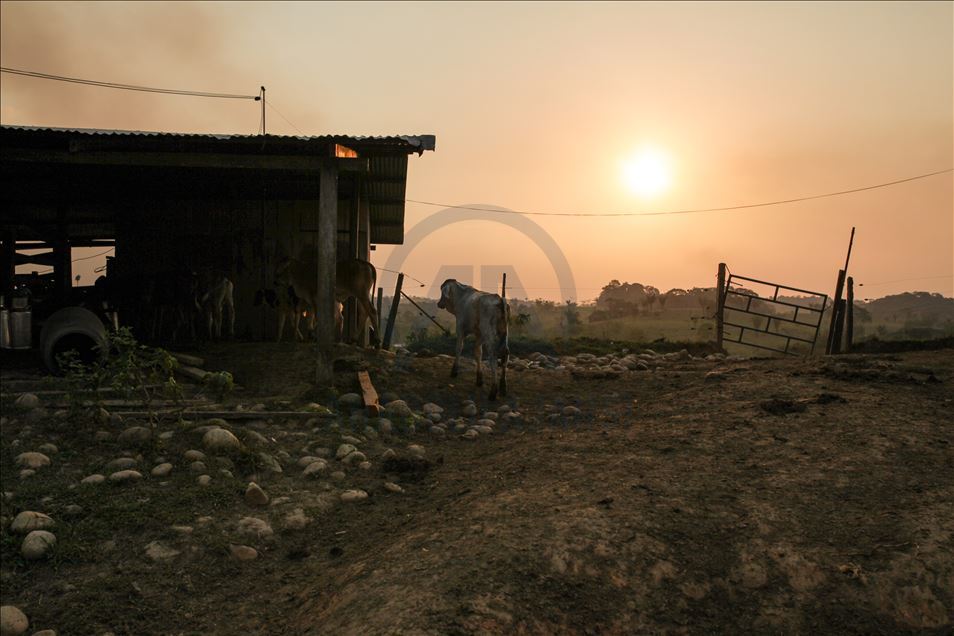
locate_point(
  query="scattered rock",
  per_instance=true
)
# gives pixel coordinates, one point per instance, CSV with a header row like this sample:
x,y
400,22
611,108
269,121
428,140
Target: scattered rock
x,y
470,434
134,436
351,401
437,430
397,408
254,528
182,529
198,467
490,415
102,436
255,496
295,520
385,426
269,463
570,411
203,480
243,552
416,449
390,486
32,460
469,410
485,422
219,440
12,620
28,521
124,476
27,472
194,456
73,510
349,496
338,475
344,450
93,479
37,545
431,408
159,552
483,430
122,463
27,401
162,470
350,439
49,449
388,452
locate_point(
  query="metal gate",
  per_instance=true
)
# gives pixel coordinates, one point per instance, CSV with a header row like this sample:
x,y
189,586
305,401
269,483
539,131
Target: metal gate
x,y
784,321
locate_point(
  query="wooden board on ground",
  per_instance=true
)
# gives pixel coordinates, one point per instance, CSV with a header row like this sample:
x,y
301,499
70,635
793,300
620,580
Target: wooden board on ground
x,y
369,394
185,358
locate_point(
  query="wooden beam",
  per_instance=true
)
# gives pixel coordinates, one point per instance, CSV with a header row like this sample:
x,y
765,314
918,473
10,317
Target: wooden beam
x,y
369,394
303,163
327,257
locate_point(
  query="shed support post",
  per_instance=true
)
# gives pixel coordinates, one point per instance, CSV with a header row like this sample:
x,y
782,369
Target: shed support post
x,y
325,298
364,253
8,263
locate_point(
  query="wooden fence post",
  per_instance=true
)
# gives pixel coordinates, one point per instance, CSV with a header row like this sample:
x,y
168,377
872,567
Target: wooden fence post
x,y
835,306
392,314
720,301
849,314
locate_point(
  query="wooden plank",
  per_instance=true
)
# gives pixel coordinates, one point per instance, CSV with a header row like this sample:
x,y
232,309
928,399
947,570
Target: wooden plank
x,y
228,415
192,373
369,394
720,299
186,358
301,163
850,314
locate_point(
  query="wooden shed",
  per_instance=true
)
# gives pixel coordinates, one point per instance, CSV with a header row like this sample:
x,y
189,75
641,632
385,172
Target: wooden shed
x,y
234,203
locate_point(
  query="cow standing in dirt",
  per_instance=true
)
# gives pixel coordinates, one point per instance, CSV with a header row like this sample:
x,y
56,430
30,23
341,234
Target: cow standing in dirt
x,y
485,316
216,296
354,278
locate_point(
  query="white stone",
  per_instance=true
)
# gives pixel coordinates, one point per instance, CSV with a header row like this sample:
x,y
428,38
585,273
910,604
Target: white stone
x,y
27,401
122,463
470,434
430,407
162,470
49,449
469,410
12,620
295,520
570,411
344,450
125,475
255,496
315,468
203,480
93,479
32,460
390,486
398,408
28,521
193,455
37,544
243,552
159,552
349,496
254,527
134,436
221,441
416,449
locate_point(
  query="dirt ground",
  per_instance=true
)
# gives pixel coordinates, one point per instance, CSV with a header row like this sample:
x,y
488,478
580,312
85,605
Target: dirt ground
x,y
750,496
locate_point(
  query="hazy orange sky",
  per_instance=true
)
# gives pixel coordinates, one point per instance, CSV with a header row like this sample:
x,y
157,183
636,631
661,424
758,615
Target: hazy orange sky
x,y
537,105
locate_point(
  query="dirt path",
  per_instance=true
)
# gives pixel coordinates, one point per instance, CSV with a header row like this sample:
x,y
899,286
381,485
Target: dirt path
x,y
676,502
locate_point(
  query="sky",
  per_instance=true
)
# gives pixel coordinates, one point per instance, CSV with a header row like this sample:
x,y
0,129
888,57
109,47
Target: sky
x,y
539,106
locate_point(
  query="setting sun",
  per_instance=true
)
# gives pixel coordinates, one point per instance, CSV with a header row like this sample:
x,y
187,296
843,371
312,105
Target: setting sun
x,y
648,173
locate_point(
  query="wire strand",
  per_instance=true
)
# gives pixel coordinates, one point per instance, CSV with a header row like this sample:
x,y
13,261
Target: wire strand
x,y
125,87
287,121
691,211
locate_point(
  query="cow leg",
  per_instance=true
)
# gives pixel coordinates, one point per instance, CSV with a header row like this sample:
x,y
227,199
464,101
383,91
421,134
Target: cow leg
x,y
460,347
492,360
230,303
366,313
217,320
478,354
281,326
296,321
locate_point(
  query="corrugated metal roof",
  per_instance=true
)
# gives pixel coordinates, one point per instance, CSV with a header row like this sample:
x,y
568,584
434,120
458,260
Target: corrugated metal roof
x,y
419,143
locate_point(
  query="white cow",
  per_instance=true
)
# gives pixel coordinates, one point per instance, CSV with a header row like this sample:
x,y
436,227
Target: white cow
x,y
216,297
485,316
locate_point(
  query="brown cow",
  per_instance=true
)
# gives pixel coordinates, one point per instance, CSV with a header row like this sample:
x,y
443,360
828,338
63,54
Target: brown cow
x,y
354,278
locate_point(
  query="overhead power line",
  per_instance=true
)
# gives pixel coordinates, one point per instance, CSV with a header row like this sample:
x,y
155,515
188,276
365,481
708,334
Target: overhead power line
x,y
126,87
691,211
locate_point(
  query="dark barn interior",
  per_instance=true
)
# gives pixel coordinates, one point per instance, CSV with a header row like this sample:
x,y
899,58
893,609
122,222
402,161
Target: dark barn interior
x,y
232,204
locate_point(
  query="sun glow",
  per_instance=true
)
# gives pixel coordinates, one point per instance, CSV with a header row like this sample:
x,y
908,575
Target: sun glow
x,y
648,173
